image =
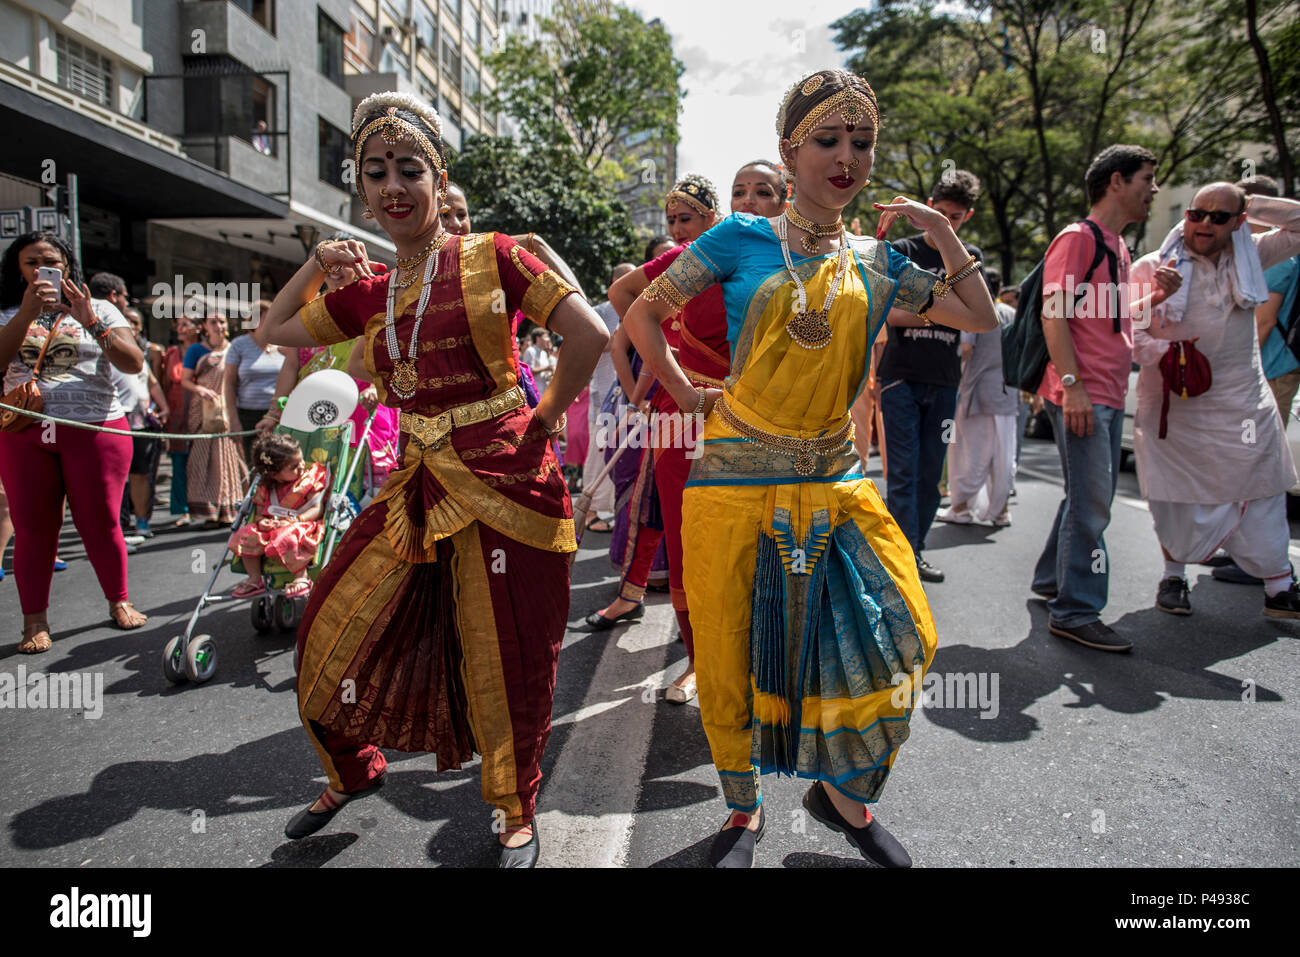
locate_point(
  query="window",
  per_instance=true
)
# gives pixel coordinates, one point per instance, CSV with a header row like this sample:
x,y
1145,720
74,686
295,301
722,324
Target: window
x,y
329,48
452,7
473,28
470,80
426,29
361,42
451,63
83,70
223,99
263,11
450,124
332,153
393,60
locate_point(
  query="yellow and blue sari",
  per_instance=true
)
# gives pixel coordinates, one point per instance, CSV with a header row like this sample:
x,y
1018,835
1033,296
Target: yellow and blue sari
x,y
810,622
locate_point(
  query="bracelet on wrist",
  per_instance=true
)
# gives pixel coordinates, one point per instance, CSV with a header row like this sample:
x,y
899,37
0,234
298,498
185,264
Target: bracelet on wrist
x,y
700,406
560,423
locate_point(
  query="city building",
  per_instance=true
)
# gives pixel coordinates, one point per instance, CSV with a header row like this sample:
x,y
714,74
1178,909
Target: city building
x,y
430,48
208,139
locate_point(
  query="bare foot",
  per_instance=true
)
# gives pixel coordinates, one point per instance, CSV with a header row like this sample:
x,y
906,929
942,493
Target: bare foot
x,y
855,812
617,607
320,805
517,836
741,819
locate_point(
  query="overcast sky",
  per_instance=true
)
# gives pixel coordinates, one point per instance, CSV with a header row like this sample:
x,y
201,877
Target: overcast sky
x,y
740,58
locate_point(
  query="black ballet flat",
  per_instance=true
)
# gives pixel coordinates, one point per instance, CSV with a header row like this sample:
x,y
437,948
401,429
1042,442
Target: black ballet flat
x,y
873,842
307,822
525,855
734,846
598,622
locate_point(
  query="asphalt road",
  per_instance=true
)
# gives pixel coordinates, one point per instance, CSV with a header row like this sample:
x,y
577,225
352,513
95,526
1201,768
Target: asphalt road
x,y
1183,753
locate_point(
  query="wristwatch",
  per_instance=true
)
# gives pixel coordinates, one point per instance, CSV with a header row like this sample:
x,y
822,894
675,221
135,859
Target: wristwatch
x,y
1069,379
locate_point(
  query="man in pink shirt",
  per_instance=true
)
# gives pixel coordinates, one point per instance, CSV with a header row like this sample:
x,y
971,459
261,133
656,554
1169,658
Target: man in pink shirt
x,y
1090,340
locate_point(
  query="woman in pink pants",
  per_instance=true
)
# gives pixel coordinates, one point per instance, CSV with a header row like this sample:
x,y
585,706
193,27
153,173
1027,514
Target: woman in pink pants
x,y
43,463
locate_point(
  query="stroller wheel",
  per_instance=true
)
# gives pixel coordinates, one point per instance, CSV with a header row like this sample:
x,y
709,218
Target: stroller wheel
x,y
173,660
286,613
201,659
260,613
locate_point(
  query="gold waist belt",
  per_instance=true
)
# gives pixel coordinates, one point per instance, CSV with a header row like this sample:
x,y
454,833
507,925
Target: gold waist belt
x,y
802,450
694,376
430,430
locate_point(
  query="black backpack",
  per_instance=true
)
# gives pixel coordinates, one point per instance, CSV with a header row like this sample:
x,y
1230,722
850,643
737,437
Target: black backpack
x,y
1024,350
1290,332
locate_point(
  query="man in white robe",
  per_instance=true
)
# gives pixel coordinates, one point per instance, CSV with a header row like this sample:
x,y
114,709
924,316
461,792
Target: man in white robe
x,y
982,457
1218,479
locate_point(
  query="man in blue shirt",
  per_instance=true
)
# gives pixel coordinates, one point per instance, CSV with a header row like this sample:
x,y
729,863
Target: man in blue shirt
x,y
1281,368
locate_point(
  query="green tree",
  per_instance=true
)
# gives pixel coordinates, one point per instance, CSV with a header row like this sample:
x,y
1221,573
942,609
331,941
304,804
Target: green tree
x,y
601,74
550,191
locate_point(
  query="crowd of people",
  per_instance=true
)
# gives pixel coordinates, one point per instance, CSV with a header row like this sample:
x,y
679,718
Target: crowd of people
x,y
753,362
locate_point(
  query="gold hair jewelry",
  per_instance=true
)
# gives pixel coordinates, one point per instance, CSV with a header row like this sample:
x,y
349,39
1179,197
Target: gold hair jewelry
x,y
393,129
696,192
815,231
266,459
813,85
853,106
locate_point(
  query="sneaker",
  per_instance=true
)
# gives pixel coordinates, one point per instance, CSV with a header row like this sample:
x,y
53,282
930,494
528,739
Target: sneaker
x,y
1172,597
131,549
955,517
142,528
1285,604
871,840
132,540
927,571
1092,634
1233,574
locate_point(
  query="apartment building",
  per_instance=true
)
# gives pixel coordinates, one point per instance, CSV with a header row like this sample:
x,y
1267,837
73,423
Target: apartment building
x,y
208,138
430,48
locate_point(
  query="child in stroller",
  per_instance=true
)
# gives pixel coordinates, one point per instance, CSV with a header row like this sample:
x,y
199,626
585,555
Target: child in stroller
x,y
286,526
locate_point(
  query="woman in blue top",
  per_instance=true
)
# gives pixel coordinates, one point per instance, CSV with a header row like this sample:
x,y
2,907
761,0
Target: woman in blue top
x,y
811,628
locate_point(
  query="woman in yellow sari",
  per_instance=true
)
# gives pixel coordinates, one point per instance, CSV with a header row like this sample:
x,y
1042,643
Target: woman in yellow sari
x,y
810,623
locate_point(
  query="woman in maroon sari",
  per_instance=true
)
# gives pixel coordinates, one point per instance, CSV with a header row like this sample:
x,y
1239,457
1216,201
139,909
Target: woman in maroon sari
x,y
437,624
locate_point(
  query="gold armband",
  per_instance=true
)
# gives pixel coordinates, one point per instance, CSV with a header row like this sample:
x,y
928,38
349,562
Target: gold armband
x,y
661,290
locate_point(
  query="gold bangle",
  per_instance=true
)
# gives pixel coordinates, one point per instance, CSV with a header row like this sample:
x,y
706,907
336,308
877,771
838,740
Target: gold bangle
x,y
560,423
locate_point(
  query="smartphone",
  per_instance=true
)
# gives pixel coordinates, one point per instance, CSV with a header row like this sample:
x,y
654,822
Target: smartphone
x,y
54,277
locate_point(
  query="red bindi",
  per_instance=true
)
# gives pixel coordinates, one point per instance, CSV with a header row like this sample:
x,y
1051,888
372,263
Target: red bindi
x,y
389,154
850,127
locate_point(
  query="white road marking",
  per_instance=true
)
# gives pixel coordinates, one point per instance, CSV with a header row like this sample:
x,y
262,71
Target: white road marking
x,y
600,770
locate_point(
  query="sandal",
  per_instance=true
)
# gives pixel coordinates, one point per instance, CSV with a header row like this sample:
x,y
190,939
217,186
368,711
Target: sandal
x,y
298,588
126,616
36,639
248,589
599,525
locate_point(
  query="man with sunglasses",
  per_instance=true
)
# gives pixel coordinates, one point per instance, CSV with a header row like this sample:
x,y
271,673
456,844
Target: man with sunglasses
x,y
1215,467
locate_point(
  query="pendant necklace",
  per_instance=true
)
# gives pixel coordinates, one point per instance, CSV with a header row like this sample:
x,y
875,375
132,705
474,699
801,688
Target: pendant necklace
x,y
404,379
811,328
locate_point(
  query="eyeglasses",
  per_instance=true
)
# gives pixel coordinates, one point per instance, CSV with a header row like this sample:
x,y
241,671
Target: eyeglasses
x,y
1218,217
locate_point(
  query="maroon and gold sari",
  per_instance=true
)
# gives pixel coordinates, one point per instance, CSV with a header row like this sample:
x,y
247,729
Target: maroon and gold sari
x,y
437,624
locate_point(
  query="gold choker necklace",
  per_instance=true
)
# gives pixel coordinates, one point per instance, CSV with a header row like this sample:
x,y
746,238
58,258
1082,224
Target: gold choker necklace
x,y
419,257
815,231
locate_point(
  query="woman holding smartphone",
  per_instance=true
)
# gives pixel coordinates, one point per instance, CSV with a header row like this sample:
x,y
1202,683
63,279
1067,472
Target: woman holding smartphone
x,y
39,465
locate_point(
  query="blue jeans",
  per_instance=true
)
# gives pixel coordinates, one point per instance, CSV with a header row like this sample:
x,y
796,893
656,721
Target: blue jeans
x,y
918,421
1074,562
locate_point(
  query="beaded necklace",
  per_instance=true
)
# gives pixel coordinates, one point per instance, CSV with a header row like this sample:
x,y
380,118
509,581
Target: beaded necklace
x,y
404,378
811,328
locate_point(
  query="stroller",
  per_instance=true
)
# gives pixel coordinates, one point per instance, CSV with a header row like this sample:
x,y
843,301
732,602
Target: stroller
x,y
321,406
